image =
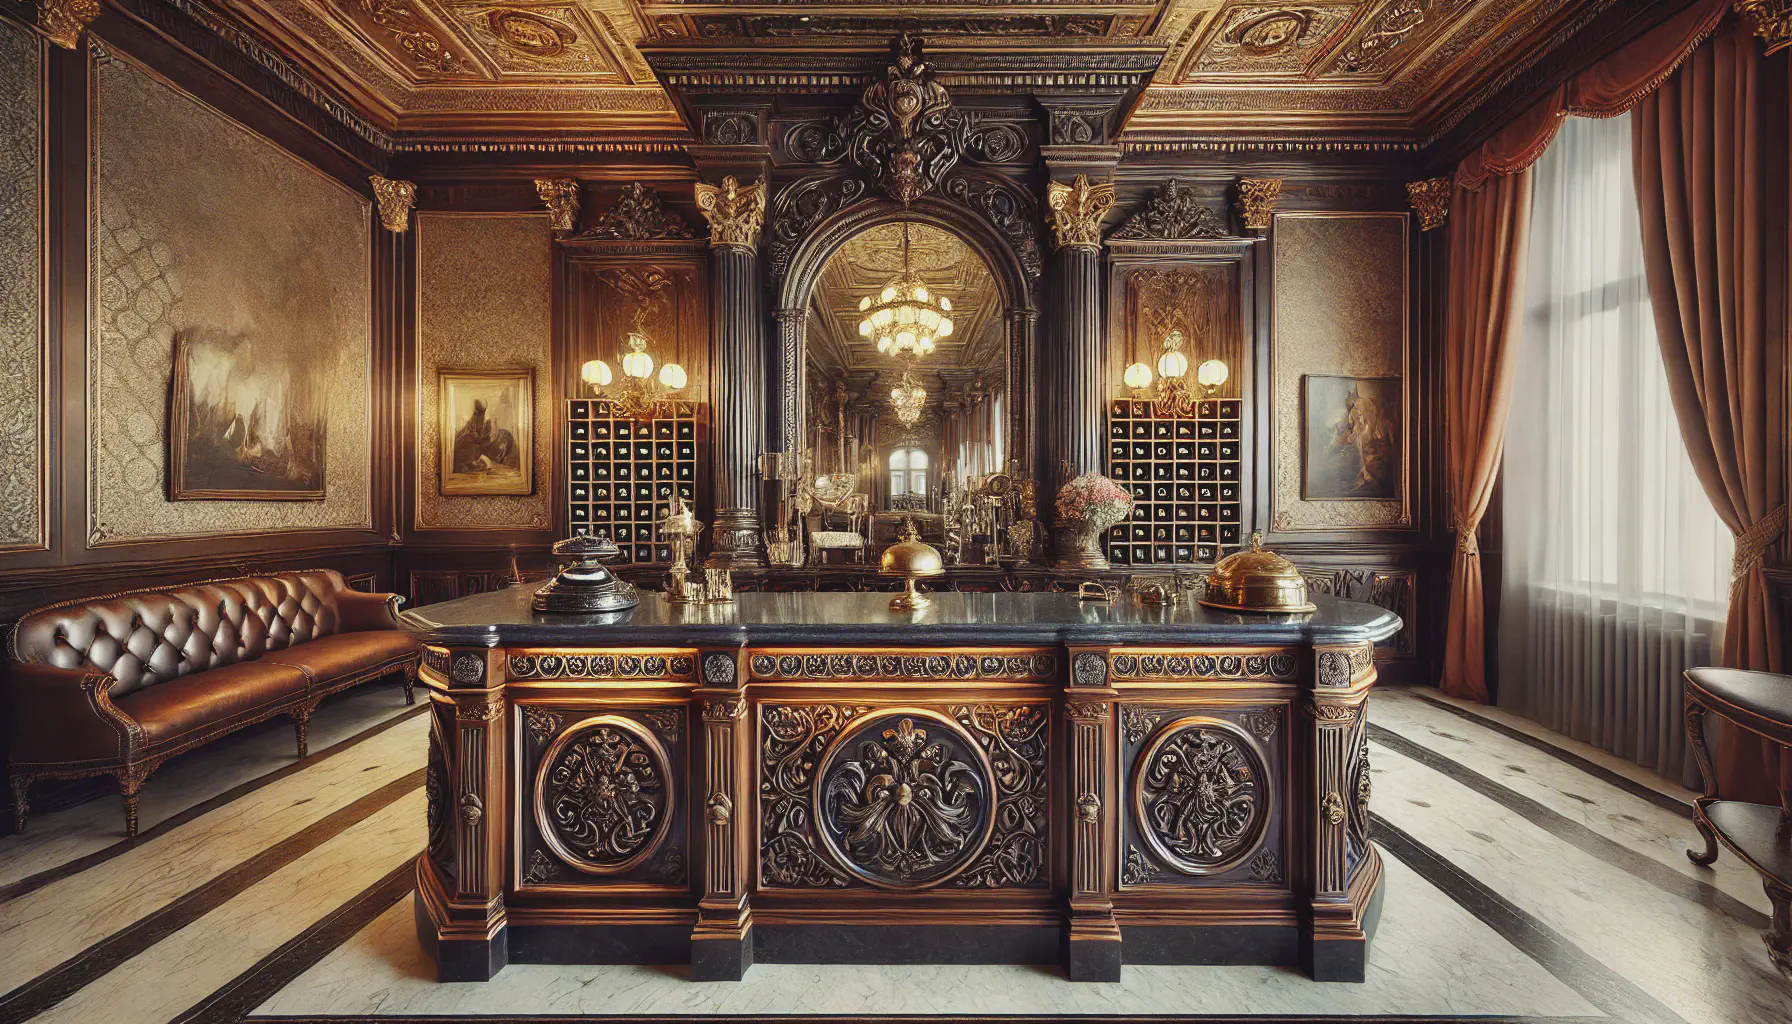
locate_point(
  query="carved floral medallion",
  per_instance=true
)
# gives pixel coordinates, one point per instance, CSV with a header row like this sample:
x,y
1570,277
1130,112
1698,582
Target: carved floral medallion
x,y
905,798
603,795
1200,796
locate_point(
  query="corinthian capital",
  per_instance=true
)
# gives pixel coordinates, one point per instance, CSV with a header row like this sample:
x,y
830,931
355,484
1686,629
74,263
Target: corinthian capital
x,y
1257,201
735,213
1772,21
562,197
1077,209
1431,200
395,199
63,21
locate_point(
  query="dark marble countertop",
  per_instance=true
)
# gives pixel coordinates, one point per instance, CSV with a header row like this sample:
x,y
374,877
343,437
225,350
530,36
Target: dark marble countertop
x,y
504,618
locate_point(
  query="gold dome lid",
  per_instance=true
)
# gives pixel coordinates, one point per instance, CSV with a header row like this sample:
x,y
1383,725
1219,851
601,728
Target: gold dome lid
x,y
1255,580
912,556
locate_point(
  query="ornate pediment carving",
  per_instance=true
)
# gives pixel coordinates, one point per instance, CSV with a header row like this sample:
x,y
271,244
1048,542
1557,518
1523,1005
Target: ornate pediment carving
x,y
639,216
1173,212
905,134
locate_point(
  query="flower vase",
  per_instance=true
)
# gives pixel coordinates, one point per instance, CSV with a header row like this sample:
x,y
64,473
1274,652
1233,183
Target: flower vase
x,y
1079,548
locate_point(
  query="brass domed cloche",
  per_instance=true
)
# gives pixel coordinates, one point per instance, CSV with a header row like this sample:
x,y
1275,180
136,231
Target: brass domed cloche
x,y
1255,580
911,558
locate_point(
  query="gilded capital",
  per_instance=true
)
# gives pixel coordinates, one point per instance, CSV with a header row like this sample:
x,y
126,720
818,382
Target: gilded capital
x,y
735,213
1077,209
1257,201
562,197
1431,200
63,21
395,199
1772,21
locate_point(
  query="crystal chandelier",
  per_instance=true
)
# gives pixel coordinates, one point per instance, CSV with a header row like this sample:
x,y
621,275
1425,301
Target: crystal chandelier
x,y
908,397
905,318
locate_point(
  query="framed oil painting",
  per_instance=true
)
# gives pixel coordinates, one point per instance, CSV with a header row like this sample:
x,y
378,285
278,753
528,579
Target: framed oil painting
x,y
1352,435
246,420
488,431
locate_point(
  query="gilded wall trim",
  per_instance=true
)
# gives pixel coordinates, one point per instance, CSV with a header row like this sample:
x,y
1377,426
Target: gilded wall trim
x,y
484,300
24,333
252,241
1342,308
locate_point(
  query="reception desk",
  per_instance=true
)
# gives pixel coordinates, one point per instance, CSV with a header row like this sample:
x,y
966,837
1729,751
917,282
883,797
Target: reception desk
x,y
813,778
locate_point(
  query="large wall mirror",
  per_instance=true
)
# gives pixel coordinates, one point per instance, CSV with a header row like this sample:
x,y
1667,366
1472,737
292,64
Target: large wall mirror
x,y
908,402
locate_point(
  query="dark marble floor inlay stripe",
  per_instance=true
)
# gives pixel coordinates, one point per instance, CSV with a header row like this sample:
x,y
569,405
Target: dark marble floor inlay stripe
x,y
1591,767
32,883
69,977
280,968
1577,835
1017,1018
1598,984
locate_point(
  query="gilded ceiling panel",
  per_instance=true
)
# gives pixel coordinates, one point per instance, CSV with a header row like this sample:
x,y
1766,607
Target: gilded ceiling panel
x,y
554,39
1257,39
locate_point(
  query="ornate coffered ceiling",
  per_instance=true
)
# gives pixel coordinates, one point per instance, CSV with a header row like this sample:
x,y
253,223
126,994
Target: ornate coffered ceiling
x,y
1389,71
868,260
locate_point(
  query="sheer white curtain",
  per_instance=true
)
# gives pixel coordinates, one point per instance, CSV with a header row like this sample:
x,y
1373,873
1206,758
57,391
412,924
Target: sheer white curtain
x,y
1616,567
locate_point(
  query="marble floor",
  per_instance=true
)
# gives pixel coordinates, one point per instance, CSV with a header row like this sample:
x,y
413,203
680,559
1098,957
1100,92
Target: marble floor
x,y
1529,878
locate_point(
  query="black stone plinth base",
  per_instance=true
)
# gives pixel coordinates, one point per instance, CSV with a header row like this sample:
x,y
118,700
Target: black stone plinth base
x,y
1091,959
905,944
600,944
1213,946
1342,959
721,958
461,959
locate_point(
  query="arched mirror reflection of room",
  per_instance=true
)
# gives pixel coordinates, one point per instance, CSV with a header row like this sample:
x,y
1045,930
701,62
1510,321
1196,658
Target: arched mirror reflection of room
x,y
907,396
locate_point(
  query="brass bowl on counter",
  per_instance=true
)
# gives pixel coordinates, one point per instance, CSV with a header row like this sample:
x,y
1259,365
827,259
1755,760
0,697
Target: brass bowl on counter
x,y
1255,580
911,558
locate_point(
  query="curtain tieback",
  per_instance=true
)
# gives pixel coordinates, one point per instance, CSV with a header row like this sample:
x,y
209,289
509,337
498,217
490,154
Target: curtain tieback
x,y
1752,543
1466,541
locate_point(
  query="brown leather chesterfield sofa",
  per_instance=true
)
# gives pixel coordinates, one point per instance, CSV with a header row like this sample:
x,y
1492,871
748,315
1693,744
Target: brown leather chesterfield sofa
x,y
117,685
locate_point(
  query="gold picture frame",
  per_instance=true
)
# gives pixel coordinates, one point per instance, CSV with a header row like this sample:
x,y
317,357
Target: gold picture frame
x,y
487,435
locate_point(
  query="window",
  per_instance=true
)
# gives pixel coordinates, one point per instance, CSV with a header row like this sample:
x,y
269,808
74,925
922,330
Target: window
x,y
908,472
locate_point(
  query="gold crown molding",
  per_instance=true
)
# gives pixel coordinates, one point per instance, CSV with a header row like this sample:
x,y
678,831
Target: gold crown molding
x,y
1266,146
63,21
1077,209
1431,200
1257,201
735,214
478,145
562,198
1772,21
395,199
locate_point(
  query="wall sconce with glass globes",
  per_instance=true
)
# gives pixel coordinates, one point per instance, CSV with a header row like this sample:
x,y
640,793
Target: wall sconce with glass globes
x,y
1174,397
642,396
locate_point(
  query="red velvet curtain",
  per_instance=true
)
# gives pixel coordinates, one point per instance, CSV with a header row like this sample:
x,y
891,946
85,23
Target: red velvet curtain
x,y
1698,155
1489,218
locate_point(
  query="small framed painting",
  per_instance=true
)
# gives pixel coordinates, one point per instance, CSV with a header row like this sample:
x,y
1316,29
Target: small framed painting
x,y
488,431
246,420
1352,439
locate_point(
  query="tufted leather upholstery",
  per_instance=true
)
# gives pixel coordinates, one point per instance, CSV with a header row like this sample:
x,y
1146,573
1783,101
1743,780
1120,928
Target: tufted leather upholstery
x,y
118,684
151,636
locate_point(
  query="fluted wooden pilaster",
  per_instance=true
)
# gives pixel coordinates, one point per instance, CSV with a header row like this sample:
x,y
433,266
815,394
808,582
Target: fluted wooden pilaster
x,y
738,398
1073,380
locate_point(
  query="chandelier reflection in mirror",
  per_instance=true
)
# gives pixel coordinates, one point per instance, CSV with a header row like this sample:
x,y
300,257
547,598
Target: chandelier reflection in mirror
x,y
906,318
643,396
908,398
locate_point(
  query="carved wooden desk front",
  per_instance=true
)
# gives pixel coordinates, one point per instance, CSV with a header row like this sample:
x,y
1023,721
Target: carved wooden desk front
x,y
1003,778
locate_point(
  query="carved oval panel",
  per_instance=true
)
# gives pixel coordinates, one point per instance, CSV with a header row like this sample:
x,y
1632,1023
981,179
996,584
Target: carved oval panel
x,y
1201,795
904,798
604,795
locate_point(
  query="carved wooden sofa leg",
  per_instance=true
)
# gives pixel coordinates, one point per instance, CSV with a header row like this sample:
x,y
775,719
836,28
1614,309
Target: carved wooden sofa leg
x,y
301,725
130,784
1779,939
21,805
410,681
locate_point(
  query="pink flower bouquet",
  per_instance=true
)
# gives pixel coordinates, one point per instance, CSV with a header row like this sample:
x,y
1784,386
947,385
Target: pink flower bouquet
x,y
1094,502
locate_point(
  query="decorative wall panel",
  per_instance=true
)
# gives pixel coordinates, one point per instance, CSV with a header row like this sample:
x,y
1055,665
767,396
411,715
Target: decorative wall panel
x,y
484,301
22,513
1341,309
198,223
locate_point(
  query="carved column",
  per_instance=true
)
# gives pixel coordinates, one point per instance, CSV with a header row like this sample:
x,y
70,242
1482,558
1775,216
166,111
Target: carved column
x,y
1093,952
786,399
737,368
1343,868
468,910
1073,367
1023,326
722,943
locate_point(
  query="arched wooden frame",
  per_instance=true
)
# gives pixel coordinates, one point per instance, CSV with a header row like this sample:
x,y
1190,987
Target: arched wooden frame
x,y
1019,315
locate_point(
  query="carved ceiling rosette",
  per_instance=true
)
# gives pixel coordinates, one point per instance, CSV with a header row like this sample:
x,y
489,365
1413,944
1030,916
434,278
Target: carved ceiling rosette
x,y
1431,200
562,198
395,200
1201,798
1257,201
603,795
639,216
1173,212
735,213
905,133
905,798
1077,210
